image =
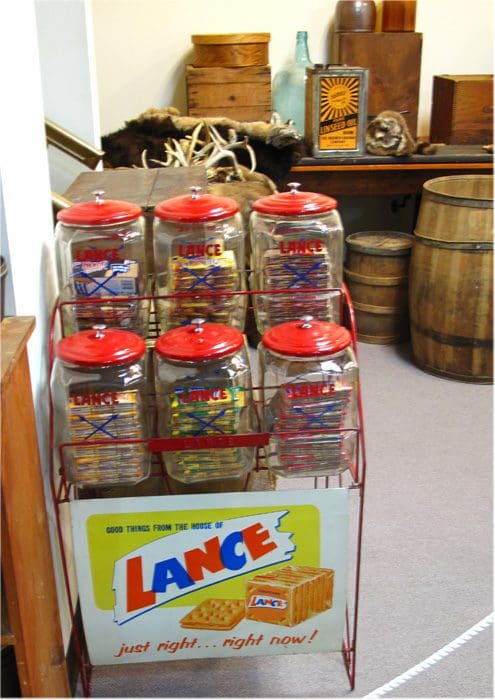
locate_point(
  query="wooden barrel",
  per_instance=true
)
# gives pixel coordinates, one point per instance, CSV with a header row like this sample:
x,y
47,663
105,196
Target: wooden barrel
x,y
451,279
376,274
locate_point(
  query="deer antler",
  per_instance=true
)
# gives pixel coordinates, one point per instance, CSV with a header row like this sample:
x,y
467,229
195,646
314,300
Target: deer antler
x,y
193,151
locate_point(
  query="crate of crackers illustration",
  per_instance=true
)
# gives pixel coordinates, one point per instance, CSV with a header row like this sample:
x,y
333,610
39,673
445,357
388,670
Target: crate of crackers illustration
x,y
286,596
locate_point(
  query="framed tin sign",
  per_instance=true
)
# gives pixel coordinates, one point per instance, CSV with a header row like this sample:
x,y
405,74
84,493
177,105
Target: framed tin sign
x,y
180,577
336,110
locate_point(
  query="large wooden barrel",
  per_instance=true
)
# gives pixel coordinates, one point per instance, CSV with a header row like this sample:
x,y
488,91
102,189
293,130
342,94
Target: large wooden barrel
x,y
376,274
451,279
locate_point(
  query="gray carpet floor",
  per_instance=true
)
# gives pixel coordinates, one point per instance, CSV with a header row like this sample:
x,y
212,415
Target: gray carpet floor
x,y
427,557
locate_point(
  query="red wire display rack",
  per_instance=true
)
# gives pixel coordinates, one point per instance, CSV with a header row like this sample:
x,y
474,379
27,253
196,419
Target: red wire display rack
x,y
353,479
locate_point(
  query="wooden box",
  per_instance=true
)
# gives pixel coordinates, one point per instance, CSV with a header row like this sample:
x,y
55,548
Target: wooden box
x,y
230,50
462,109
243,94
393,60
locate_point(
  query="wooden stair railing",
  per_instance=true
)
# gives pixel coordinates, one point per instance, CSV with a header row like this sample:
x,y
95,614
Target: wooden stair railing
x,y
73,146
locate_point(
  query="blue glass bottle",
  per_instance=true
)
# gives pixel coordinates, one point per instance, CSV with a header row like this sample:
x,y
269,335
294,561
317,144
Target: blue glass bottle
x,y
289,85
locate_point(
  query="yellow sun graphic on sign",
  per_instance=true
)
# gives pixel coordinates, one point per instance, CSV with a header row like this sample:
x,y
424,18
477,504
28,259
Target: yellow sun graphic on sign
x,y
339,97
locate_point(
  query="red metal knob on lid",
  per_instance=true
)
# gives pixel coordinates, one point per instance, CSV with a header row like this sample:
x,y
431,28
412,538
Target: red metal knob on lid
x,y
101,347
101,212
199,341
196,207
294,203
306,337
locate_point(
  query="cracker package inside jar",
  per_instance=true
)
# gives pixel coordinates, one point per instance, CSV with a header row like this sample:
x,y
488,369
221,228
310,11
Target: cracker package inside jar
x,y
199,260
100,394
297,257
102,268
204,390
309,380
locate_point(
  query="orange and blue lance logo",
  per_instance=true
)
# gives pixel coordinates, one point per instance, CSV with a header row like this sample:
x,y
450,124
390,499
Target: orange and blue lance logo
x,y
263,601
176,565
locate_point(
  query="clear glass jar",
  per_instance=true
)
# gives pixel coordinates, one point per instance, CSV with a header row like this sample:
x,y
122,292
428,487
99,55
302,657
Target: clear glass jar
x,y
100,250
297,241
309,394
100,393
204,388
199,251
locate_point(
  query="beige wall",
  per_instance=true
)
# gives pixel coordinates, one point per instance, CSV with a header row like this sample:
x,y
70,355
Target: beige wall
x,y
142,46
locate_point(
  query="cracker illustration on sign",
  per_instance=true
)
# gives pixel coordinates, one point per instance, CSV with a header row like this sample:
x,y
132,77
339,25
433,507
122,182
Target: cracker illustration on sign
x,y
215,614
289,595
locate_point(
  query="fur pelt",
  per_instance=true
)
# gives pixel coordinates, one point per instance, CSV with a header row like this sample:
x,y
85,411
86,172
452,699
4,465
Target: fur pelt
x,y
277,146
388,135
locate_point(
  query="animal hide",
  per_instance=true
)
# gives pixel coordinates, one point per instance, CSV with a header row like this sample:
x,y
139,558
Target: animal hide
x,y
277,146
388,135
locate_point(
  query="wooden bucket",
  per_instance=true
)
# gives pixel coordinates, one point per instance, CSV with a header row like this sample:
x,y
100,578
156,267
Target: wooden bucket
x,y
376,274
451,279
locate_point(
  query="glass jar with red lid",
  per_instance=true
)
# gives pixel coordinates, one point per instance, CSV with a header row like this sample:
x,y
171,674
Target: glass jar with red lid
x,y
297,241
309,377
199,255
100,393
203,388
101,261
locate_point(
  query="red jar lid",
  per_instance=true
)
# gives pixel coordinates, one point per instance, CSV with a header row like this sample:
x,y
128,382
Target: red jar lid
x,y
294,203
101,347
199,341
101,212
196,207
306,337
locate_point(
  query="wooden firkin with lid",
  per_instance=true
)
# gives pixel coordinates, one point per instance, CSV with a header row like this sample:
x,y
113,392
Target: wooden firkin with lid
x,y
230,77
376,273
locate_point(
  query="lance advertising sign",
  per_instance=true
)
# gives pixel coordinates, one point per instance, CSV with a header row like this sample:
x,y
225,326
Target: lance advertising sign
x,y
176,577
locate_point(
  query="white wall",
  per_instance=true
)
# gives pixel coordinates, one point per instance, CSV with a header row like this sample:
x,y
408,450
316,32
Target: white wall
x,y
65,34
26,214
61,86
142,46
457,39
68,75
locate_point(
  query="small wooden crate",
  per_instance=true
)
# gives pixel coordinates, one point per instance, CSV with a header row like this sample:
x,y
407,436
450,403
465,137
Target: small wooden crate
x,y
243,94
462,109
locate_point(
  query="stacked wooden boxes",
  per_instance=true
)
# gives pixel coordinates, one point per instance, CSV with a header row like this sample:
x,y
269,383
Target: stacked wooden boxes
x,y
394,63
230,77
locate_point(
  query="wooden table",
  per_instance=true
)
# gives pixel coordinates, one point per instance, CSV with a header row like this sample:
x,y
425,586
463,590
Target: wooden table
x,y
375,175
137,185
141,186
30,616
